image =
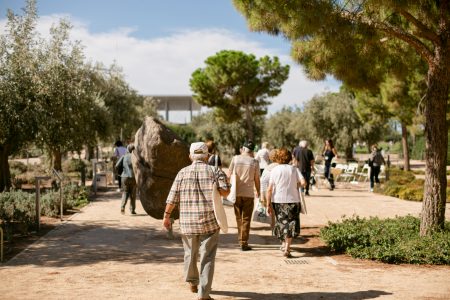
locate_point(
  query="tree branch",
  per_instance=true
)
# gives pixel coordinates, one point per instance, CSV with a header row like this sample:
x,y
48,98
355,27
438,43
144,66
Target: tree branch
x,y
408,38
423,30
397,32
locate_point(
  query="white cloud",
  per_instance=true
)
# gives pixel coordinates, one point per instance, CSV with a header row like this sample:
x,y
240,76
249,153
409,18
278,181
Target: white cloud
x,y
163,66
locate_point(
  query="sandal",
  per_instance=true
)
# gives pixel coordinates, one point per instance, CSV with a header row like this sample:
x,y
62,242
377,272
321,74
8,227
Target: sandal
x,y
287,254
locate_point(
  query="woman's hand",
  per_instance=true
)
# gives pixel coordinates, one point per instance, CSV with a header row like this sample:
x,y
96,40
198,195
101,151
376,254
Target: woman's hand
x,y
269,209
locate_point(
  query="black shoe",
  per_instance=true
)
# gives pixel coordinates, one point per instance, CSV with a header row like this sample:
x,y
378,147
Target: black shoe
x,y
307,194
245,248
122,211
133,212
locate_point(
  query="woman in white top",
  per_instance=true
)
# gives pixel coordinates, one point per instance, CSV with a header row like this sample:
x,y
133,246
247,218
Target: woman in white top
x,y
265,177
283,193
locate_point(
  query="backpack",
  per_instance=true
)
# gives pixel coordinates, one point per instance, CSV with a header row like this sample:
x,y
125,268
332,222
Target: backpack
x,y
119,167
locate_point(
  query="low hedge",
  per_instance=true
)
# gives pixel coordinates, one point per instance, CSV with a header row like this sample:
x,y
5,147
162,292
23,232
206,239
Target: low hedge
x,y
17,208
405,185
393,241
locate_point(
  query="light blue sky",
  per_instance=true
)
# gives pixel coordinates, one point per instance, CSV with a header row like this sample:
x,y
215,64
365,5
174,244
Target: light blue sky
x,y
159,43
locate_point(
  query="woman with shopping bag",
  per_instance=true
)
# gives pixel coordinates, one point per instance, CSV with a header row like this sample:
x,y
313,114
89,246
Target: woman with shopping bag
x,y
284,199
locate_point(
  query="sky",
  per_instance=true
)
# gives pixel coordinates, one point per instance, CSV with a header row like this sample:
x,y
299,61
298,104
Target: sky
x,y
159,44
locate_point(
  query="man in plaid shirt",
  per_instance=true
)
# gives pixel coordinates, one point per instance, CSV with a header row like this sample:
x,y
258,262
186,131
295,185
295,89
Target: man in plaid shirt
x,y
192,191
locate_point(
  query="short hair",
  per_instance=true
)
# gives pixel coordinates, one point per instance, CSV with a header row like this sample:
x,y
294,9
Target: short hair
x,y
283,156
265,145
211,146
118,144
200,156
272,154
130,148
303,143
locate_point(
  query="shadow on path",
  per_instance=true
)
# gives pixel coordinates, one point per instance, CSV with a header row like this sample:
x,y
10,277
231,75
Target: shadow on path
x,y
361,295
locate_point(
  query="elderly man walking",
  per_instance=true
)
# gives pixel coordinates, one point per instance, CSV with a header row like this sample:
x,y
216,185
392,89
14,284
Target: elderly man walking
x,y
304,160
247,171
192,191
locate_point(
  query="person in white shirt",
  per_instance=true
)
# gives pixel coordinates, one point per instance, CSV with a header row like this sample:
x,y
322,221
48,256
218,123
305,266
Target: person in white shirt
x,y
283,194
262,156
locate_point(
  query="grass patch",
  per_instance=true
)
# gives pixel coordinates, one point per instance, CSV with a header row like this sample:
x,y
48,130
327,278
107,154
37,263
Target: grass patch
x,y
393,241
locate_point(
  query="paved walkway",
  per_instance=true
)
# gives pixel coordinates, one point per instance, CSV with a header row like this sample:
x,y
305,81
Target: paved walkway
x,y
101,254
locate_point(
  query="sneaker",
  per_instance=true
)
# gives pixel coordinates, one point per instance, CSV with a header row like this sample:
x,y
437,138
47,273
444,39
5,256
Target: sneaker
x,y
193,288
245,248
371,190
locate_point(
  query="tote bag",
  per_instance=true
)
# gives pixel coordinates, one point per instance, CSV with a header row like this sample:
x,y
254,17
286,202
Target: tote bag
x,y
232,196
302,203
219,210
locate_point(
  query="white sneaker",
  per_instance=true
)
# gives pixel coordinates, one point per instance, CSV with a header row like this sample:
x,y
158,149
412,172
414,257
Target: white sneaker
x,y
371,190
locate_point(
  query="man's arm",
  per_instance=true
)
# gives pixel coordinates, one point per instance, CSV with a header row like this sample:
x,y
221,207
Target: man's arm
x,y
257,180
166,221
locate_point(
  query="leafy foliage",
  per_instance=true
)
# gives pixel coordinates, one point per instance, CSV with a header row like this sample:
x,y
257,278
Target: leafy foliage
x,y
238,85
391,240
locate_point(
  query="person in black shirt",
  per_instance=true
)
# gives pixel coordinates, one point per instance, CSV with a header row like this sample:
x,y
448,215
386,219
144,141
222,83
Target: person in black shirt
x,y
329,152
304,160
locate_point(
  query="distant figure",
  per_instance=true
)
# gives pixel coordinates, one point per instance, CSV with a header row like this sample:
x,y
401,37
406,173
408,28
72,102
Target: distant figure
x,y
376,159
127,176
213,153
192,192
247,180
284,183
329,152
262,156
304,160
119,151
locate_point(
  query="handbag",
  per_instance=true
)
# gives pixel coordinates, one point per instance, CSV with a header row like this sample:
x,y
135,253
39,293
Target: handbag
x,y
260,214
302,203
219,210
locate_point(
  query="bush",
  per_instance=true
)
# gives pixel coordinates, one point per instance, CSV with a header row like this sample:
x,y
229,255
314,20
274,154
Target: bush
x,y
391,240
17,207
404,185
75,165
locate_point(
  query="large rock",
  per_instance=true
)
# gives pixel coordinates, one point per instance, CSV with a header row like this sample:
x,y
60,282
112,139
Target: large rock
x,y
158,156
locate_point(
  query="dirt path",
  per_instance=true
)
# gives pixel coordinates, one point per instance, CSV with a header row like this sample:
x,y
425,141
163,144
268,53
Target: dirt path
x,y
101,254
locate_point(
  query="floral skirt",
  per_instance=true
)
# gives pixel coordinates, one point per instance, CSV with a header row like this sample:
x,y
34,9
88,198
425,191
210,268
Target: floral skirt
x,y
287,223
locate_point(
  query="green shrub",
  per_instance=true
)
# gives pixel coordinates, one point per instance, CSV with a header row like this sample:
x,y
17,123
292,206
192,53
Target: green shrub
x,y
75,165
17,207
391,240
17,167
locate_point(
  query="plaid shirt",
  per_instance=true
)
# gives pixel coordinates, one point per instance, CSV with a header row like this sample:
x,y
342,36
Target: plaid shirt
x,y
192,191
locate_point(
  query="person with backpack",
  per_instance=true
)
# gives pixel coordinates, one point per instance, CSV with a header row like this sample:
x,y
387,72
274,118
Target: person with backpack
x,y
127,175
376,159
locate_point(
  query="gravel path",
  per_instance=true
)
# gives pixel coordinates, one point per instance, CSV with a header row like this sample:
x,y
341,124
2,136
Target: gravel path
x,y
101,254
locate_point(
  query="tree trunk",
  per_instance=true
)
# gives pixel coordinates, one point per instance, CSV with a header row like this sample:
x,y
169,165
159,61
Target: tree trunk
x,y
434,198
405,147
349,152
249,120
5,175
57,157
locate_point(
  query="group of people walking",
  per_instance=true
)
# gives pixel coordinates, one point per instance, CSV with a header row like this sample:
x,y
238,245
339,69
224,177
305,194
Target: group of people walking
x,y
277,178
192,192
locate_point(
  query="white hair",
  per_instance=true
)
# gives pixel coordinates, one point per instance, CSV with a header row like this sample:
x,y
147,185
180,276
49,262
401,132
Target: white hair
x,y
303,144
200,156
